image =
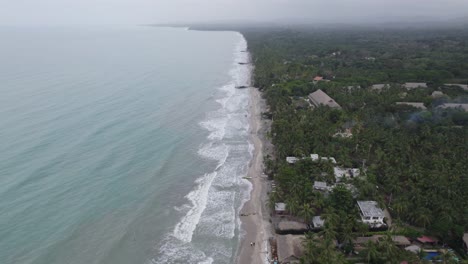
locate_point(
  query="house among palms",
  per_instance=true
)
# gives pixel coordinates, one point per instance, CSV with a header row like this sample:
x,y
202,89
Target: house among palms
x,y
292,160
319,98
348,173
318,222
280,208
316,157
320,186
414,85
371,213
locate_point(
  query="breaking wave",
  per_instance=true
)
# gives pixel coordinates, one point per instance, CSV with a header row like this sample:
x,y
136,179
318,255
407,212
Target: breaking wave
x,y
207,231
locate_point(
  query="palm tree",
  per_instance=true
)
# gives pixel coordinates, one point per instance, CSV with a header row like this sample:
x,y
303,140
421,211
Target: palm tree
x,y
292,206
372,254
307,212
388,249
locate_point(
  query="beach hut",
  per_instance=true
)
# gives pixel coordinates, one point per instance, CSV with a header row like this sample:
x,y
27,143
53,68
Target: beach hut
x,y
280,208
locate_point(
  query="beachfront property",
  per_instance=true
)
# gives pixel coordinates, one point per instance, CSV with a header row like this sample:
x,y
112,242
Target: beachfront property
x,y
348,173
462,107
465,242
286,227
318,222
280,208
371,213
418,105
414,85
319,98
290,248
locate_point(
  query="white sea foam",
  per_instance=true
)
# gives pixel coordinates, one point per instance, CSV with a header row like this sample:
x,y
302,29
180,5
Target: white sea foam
x,y
214,204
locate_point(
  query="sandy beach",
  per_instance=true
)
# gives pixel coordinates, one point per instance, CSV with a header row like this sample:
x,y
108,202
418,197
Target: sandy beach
x,y
255,225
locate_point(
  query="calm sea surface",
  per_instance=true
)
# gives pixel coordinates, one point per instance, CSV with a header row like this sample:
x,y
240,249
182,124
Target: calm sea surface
x,y
121,145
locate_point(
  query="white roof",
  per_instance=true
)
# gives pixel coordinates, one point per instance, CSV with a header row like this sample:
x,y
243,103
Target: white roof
x,y
370,209
437,94
314,157
412,85
463,86
413,248
413,104
280,207
463,107
331,159
379,86
319,184
317,221
292,159
345,172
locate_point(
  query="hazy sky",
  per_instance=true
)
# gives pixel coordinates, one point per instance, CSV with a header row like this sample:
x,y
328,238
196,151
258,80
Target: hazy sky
x,y
166,11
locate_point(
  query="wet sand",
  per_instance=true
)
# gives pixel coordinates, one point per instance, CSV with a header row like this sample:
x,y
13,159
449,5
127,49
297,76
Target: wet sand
x,y
255,225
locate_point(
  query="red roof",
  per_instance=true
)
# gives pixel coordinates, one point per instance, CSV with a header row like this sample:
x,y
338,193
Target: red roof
x,y
404,262
427,239
318,78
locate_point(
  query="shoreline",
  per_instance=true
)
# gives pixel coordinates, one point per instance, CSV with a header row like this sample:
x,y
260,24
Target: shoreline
x,y
255,225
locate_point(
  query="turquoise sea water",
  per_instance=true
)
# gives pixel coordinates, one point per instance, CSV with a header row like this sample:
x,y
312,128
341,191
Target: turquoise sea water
x,y
121,145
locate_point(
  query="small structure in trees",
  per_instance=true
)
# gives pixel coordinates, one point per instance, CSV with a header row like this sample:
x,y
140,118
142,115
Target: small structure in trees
x,y
317,222
319,98
371,213
321,186
418,105
280,208
414,85
292,160
341,173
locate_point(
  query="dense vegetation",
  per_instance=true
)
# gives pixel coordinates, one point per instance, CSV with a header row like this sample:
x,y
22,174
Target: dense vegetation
x,y
415,161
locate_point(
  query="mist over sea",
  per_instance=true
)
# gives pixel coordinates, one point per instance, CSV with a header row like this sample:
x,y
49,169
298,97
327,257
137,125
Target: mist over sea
x,y
122,145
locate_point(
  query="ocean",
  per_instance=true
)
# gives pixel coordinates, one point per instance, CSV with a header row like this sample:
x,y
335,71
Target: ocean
x,y
122,145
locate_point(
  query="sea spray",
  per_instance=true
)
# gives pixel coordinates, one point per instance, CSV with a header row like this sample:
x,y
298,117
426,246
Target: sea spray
x,y
207,231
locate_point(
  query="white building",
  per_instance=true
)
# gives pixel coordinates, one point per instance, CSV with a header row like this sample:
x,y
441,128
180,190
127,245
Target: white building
x,y
349,173
292,160
414,85
380,86
280,208
316,157
317,222
321,186
461,107
413,104
371,214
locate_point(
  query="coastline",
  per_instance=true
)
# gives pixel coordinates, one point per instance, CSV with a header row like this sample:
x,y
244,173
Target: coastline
x,y
255,225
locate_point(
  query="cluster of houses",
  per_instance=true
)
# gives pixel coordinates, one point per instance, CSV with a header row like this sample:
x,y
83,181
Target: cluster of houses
x,y
435,94
320,98
370,212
